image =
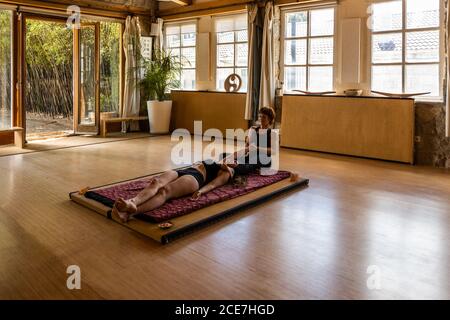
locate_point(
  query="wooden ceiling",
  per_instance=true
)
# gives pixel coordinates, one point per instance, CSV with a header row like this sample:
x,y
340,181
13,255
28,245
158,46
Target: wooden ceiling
x,y
165,8
122,6
134,6
170,8
176,9
171,4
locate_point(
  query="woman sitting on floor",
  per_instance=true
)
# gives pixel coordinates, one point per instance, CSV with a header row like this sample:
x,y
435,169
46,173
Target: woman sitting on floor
x,y
258,145
200,178
257,154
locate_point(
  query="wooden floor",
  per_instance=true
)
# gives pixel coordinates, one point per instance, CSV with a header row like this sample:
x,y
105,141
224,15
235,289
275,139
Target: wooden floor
x,y
68,142
309,244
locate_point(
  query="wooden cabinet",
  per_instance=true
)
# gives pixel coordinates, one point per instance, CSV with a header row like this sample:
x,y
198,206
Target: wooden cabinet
x,y
220,110
380,128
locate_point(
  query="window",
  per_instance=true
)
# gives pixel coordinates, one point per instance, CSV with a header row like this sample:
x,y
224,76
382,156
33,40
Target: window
x,y
231,49
406,47
110,33
5,69
308,49
181,41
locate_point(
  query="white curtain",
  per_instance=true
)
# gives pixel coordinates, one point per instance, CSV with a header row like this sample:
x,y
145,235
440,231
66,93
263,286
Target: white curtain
x,y
276,44
267,88
252,13
132,49
160,36
447,65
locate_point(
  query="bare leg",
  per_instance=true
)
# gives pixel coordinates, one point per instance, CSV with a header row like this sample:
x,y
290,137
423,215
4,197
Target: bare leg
x,y
156,183
180,187
123,215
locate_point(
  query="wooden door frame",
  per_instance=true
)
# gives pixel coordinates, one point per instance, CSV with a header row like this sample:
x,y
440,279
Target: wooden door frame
x,y
79,128
21,63
122,69
77,84
19,71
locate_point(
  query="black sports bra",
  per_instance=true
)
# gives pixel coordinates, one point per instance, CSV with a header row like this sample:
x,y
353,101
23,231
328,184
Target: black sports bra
x,y
212,169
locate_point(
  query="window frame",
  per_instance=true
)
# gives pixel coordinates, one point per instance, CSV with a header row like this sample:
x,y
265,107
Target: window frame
x,y
11,61
404,30
308,37
181,47
235,44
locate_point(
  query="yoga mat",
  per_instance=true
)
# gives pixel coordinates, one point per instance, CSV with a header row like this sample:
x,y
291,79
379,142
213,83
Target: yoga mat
x,y
178,207
187,222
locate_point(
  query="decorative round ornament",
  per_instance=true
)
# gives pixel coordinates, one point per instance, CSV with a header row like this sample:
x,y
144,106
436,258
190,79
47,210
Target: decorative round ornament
x,y
233,83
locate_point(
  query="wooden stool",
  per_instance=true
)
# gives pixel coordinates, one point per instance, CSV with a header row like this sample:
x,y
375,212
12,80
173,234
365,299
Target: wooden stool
x,y
103,125
18,136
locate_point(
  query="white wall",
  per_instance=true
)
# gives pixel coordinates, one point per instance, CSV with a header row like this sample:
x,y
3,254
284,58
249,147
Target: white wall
x,y
207,55
346,9
204,55
353,9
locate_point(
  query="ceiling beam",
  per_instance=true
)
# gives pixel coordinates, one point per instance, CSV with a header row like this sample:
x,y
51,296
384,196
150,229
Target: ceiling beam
x,y
87,4
181,2
218,6
203,6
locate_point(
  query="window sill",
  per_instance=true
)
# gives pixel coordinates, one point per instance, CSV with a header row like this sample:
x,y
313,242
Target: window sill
x,y
433,101
338,95
208,91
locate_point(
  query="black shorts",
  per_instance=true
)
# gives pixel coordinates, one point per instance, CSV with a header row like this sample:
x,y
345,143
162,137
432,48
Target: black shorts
x,y
194,173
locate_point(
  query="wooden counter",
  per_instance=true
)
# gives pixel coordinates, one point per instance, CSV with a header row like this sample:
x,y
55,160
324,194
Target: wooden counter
x,y
215,109
373,127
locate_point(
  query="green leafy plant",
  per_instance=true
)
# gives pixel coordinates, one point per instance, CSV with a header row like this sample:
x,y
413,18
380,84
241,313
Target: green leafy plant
x,y
160,74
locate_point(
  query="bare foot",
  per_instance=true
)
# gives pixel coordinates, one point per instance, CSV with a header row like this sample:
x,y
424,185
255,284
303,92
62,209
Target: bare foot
x,y
125,205
294,177
122,215
154,181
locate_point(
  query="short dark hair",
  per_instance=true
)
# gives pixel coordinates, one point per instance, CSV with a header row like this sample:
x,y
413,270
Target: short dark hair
x,y
269,112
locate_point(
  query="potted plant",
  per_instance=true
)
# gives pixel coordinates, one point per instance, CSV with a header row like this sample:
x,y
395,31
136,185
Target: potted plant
x,y
160,74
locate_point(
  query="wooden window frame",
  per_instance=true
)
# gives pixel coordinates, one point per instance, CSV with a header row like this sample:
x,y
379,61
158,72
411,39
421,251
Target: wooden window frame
x,y
181,47
235,44
308,38
404,30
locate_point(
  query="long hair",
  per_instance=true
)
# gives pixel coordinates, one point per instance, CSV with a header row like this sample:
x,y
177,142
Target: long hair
x,y
239,181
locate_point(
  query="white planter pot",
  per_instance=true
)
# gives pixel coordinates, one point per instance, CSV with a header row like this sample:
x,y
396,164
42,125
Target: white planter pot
x,y
159,115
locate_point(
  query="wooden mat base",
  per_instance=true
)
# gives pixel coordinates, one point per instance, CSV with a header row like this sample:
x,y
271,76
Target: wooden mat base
x,y
194,220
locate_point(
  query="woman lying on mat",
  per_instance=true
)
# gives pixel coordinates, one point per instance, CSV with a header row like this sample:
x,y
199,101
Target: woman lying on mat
x,y
200,178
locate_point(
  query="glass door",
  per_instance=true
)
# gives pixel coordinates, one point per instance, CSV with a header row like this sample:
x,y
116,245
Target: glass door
x,y
87,84
48,81
5,69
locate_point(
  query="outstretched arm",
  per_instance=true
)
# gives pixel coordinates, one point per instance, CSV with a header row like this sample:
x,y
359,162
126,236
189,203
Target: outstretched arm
x,y
221,179
253,147
241,152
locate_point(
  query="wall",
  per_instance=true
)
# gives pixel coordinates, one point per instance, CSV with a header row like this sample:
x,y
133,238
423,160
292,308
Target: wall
x,y
348,9
206,25
217,110
432,147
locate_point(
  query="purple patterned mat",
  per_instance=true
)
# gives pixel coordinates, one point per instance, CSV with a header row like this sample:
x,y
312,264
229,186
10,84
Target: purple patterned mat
x,y
178,207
